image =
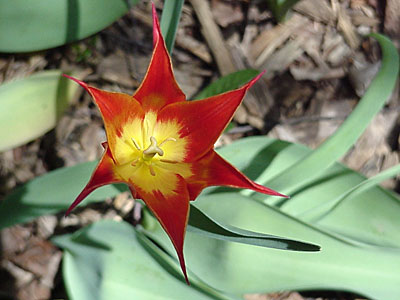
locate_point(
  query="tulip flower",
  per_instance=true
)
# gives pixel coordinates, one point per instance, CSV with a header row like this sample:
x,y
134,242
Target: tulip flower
x,y
162,146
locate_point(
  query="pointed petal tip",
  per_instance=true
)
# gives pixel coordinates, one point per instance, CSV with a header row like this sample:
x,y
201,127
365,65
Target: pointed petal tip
x,y
255,79
78,200
81,83
156,25
179,252
183,267
275,193
280,195
67,213
262,189
153,9
187,279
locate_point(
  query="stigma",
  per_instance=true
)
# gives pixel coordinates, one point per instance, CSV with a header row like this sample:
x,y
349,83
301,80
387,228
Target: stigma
x,y
148,154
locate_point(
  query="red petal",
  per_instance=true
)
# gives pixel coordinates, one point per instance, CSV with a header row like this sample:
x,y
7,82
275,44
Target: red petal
x,y
103,175
159,87
204,120
117,109
213,170
172,211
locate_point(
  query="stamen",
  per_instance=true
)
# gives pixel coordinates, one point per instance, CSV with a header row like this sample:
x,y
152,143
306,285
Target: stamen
x,y
147,127
169,161
151,169
143,135
136,144
170,139
133,164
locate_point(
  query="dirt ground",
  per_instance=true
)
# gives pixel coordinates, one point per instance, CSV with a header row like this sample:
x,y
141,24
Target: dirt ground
x,y
318,63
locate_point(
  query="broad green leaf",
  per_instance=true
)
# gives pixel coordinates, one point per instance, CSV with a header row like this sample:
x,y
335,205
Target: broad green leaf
x,y
49,194
314,214
42,24
226,83
368,217
110,260
307,169
239,268
200,223
169,21
31,106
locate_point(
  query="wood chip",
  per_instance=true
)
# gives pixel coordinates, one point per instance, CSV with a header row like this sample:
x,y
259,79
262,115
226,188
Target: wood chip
x,y
344,24
226,13
361,74
370,150
281,59
317,10
114,68
300,73
213,36
392,19
334,50
270,40
192,45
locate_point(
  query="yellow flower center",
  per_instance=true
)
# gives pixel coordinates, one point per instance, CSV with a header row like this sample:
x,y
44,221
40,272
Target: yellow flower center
x,y
150,153
147,154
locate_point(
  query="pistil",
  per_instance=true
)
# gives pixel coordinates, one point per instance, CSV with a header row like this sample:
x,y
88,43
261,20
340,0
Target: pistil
x,y
150,152
153,149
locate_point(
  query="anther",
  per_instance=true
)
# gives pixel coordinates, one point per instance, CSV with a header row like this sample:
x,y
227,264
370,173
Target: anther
x,y
134,162
168,161
151,169
136,144
147,127
170,139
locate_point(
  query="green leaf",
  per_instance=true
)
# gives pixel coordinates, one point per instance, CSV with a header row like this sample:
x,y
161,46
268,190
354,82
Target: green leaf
x,y
50,193
367,216
200,223
308,168
169,21
280,8
110,260
31,106
370,217
226,83
42,24
240,268
316,213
